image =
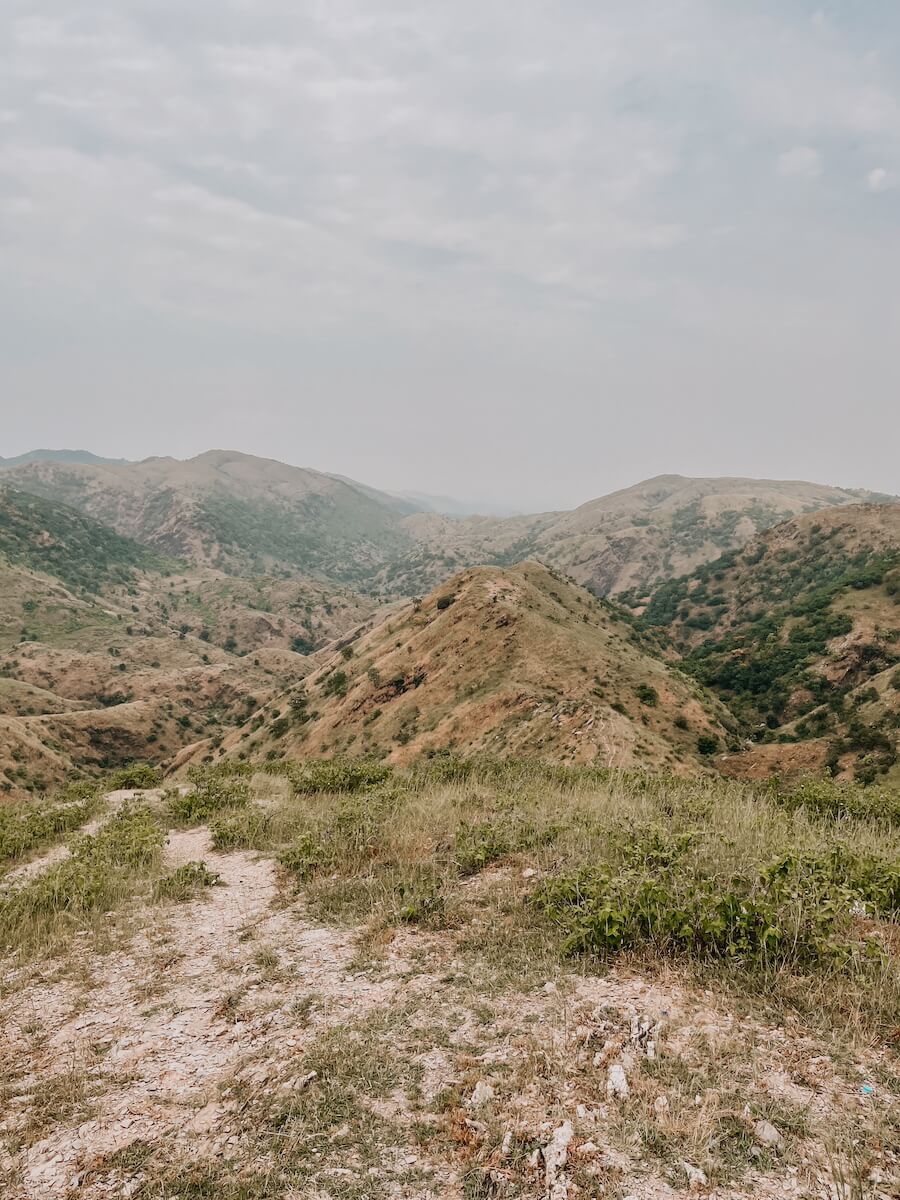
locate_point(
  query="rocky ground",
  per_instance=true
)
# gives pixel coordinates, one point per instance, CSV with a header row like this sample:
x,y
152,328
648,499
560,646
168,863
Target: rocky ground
x,y
238,1044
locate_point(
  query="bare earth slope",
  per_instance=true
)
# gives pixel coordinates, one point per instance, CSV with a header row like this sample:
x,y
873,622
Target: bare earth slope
x,y
516,661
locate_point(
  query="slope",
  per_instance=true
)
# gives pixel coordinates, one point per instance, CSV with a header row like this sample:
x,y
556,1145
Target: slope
x,y
251,516
104,659
229,510
657,529
45,536
800,634
508,662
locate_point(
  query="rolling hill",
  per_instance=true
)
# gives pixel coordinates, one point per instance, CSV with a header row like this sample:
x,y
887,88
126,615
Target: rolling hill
x,y
106,657
516,661
232,511
799,633
251,516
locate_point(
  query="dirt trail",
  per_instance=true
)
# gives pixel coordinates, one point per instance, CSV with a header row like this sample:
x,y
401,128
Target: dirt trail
x,y
154,1053
184,1010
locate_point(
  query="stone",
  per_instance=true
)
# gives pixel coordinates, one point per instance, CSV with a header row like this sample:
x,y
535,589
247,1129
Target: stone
x,y
617,1082
482,1093
696,1177
766,1134
556,1154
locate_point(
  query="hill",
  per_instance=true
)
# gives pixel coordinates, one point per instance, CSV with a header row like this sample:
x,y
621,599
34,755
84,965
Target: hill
x,y
61,541
515,661
106,658
232,511
659,529
799,633
61,456
251,516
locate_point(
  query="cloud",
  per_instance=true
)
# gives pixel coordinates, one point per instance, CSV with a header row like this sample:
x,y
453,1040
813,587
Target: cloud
x,y
485,203
878,180
800,162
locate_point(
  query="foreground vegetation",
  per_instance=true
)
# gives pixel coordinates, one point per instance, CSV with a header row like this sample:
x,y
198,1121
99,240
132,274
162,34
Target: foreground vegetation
x,y
791,892
409,934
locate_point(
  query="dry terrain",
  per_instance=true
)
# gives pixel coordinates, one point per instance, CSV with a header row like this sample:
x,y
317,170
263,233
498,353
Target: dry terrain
x,y
514,661
323,984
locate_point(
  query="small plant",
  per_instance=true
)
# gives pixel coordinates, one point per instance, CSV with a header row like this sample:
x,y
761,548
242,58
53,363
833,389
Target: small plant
x,y
707,744
185,882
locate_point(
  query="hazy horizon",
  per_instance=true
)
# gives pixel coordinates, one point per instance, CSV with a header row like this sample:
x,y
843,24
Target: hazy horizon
x,y
519,258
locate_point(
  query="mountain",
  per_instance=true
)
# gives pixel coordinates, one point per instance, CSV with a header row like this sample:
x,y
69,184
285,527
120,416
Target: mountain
x,y
250,516
232,511
61,541
658,529
61,456
799,633
516,661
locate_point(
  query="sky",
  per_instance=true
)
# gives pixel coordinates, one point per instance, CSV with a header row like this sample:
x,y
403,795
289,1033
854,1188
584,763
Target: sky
x,y
519,253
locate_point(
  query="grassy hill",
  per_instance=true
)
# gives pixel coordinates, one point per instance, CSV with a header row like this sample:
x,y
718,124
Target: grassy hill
x,y
799,633
60,541
105,658
515,661
656,530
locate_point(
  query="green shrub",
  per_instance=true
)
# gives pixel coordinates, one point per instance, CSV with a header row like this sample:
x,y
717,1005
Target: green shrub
x,y
246,828
211,793
707,744
101,870
185,882
27,827
137,775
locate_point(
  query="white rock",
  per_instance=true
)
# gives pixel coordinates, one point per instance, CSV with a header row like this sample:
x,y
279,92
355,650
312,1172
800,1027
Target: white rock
x,y
556,1154
661,1105
696,1177
766,1134
482,1093
617,1082
549,987
529,873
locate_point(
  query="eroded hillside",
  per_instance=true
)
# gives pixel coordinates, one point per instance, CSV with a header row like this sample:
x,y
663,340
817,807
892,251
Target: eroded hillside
x,y
515,661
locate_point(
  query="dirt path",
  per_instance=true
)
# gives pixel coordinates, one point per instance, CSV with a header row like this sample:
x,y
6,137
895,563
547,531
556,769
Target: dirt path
x,y
186,1010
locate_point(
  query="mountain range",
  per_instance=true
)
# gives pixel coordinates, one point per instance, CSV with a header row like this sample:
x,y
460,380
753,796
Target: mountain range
x,y
234,606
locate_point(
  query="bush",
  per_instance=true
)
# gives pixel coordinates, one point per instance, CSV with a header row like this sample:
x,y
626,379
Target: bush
x,y
137,775
212,793
185,882
101,870
707,744
444,602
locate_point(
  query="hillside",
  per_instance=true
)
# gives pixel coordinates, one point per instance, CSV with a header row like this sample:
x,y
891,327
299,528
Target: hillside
x,y
251,516
61,541
516,662
60,456
105,658
800,634
242,514
658,529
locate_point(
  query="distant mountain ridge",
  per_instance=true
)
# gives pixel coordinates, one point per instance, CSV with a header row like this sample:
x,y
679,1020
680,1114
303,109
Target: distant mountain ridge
x,y
250,516
61,456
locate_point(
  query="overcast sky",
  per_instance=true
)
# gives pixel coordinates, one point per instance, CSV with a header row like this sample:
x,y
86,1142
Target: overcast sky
x,y
524,252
